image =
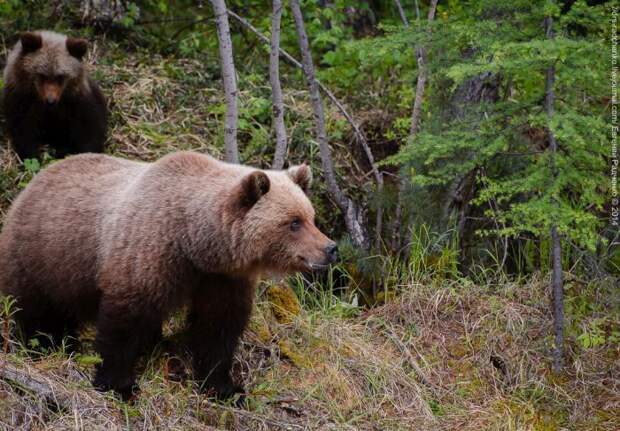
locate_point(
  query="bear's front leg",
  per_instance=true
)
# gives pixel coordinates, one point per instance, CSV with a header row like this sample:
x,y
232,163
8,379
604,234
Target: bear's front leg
x,y
124,331
25,139
22,122
88,129
220,312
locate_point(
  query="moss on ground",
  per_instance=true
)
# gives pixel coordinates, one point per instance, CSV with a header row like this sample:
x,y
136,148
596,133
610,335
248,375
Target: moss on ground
x,y
284,302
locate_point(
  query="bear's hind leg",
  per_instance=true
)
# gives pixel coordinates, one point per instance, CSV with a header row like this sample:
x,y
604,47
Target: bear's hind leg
x,y
220,312
123,333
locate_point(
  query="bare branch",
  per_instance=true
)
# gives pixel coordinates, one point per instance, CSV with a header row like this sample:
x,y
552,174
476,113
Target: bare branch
x,y
276,89
229,80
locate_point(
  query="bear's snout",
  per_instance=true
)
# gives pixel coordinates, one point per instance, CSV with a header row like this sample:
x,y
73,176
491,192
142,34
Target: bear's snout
x,y
321,257
50,93
332,252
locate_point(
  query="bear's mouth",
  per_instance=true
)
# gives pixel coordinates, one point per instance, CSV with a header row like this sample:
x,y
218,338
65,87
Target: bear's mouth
x,y
312,266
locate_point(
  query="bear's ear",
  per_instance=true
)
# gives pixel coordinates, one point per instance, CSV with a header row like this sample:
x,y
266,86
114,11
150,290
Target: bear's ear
x,y
77,47
253,187
30,42
302,176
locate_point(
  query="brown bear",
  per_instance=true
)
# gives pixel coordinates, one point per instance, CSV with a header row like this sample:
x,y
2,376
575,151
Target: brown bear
x,y
127,243
48,99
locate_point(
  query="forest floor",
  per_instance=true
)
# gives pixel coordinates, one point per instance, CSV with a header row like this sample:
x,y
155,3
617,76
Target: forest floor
x,y
439,355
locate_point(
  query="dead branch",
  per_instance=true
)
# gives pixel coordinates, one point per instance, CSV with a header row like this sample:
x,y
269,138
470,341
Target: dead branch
x,y
31,380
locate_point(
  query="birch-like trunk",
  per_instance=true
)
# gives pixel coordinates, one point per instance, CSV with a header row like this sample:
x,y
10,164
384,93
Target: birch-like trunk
x,y
415,117
276,88
353,216
557,282
229,80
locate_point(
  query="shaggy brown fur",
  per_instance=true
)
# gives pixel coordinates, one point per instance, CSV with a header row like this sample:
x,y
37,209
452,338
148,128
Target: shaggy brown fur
x,y
48,99
127,243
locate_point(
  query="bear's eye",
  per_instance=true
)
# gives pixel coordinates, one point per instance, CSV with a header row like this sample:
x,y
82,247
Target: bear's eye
x,y
296,224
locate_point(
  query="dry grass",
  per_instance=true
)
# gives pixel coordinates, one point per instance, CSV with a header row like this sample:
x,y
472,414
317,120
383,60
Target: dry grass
x,y
441,355
322,371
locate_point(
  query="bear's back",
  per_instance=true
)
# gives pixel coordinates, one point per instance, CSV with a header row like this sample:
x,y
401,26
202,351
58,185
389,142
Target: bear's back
x,y
51,233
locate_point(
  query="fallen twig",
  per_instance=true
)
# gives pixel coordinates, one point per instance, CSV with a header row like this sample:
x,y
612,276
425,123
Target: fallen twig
x,y
34,381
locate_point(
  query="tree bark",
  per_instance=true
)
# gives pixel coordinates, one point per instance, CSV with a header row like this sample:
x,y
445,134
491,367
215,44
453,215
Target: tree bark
x,y
229,80
557,283
352,215
415,117
276,88
100,13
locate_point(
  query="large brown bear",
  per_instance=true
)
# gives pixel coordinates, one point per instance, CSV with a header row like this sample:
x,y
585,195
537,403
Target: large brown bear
x,y
48,98
126,243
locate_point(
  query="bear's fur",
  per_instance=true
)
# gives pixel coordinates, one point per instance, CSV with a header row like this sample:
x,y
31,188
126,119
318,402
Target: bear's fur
x,y
48,98
126,243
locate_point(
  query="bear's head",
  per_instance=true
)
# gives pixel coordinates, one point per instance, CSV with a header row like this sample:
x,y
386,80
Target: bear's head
x,y
276,221
51,62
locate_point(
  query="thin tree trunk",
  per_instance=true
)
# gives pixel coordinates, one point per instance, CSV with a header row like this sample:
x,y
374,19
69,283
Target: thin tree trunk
x,y
229,80
353,216
401,12
556,246
415,117
276,89
356,129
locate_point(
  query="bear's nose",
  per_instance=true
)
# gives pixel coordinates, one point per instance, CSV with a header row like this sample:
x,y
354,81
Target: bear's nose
x,y
51,100
332,252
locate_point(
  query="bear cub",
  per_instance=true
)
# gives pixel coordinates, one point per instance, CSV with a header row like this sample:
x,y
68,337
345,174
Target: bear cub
x,y
125,244
48,98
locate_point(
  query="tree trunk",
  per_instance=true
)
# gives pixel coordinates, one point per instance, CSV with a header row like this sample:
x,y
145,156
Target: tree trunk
x,y
353,216
276,89
401,12
229,80
557,282
558,301
415,118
